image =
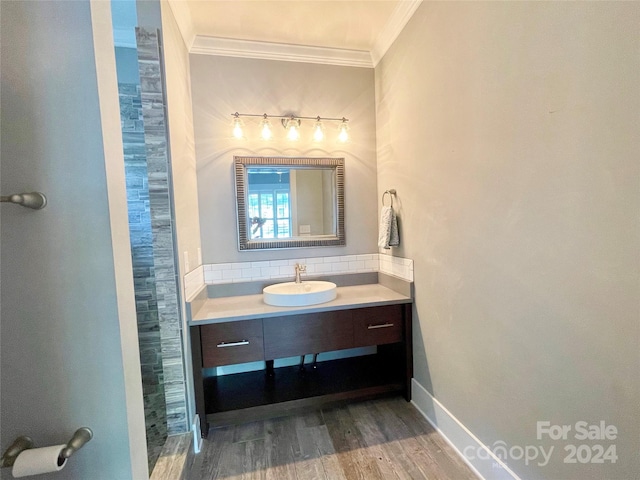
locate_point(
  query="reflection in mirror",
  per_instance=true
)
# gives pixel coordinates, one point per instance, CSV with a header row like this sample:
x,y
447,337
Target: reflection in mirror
x,y
289,202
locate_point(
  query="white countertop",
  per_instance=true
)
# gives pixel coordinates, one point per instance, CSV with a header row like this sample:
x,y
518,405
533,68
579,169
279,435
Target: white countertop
x,y
247,307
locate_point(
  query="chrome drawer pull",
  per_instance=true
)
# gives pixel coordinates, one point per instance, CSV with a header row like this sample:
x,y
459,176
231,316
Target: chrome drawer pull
x,y
382,325
233,344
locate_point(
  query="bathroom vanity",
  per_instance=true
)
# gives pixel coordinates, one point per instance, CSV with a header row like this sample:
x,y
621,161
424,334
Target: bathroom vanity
x,y
241,329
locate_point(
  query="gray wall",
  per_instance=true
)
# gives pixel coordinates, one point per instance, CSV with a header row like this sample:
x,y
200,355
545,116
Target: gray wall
x,y
309,202
63,362
181,141
182,161
222,86
510,131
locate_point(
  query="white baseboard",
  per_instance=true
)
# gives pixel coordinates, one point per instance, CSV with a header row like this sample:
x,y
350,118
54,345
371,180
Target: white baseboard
x,y
197,434
488,466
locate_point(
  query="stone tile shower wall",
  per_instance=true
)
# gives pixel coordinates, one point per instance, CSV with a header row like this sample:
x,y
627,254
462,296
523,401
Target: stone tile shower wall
x,y
135,163
162,227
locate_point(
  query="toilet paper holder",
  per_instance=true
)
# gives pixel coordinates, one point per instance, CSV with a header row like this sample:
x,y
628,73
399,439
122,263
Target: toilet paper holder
x,y
22,443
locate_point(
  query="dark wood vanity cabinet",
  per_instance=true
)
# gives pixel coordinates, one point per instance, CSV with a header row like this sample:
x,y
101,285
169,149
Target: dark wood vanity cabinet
x,y
231,342
377,326
242,397
308,333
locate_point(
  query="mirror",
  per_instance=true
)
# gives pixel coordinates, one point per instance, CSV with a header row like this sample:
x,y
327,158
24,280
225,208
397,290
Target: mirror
x,y
287,202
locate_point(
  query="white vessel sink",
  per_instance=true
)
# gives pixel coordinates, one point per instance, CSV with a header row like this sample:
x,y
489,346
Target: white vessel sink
x,y
291,294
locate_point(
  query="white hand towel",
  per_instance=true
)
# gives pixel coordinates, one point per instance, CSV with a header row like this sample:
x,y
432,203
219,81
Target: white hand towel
x,y
388,236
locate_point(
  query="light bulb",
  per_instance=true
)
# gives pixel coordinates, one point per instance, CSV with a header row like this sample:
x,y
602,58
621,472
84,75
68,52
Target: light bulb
x,y
318,131
265,130
343,135
293,133
237,128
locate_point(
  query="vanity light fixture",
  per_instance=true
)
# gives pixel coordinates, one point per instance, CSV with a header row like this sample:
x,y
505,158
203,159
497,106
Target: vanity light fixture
x,y
318,131
237,125
292,125
343,129
293,128
265,128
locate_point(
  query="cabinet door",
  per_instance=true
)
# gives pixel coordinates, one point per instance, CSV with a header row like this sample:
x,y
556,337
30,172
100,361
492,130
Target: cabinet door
x,y
309,333
377,325
231,342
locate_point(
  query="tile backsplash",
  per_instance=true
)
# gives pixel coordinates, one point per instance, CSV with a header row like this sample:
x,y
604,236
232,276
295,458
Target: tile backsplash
x,y
217,273
396,266
193,282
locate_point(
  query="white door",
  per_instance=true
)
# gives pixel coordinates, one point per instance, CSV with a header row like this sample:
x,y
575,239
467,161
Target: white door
x,y
67,325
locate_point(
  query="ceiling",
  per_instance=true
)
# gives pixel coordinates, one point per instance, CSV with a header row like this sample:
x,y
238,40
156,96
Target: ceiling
x,y
264,28
351,25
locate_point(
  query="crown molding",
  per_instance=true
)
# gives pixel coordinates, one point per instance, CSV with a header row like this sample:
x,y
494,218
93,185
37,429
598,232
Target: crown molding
x,y
398,20
182,15
229,47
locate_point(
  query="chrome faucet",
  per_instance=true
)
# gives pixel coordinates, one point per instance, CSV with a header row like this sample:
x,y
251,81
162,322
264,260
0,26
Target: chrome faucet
x,y
300,269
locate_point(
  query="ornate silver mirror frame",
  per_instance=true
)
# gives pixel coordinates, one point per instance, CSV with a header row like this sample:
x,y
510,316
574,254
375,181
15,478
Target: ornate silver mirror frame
x,y
244,164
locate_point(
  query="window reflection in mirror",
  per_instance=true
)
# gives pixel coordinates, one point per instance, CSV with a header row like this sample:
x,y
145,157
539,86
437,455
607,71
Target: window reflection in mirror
x,y
284,203
269,202
289,202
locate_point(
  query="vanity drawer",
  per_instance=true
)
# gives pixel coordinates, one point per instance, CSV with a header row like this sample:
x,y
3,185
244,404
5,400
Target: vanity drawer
x,y
377,325
231,342
309,333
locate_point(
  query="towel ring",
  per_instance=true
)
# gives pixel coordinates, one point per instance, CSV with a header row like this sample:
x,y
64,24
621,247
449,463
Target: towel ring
x,y
391,193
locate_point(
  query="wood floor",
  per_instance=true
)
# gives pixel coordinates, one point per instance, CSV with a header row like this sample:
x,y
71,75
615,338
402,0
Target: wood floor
x,y
380,439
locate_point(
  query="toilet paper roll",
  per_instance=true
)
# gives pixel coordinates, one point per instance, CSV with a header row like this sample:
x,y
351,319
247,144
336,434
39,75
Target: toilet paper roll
x,y
34,461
